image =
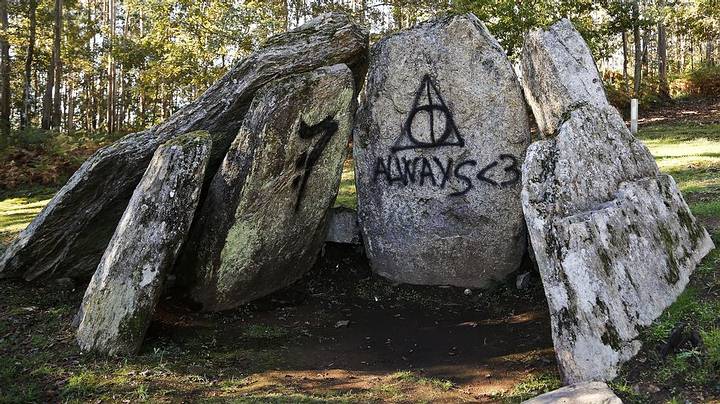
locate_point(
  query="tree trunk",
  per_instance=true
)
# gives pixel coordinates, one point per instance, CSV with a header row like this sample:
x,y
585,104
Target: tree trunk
x,y
5,74
111,70
27,93
646,52
664,88
709,52
57,61
47,103
625,62
638,48
679,57
69,115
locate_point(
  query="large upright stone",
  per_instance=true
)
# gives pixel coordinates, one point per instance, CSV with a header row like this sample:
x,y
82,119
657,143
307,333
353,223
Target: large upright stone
x,y
262,224
614,240
438,142
121,298
69,236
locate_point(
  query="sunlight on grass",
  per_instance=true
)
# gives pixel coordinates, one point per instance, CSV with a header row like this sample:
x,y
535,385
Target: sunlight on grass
x,y
690,153
681,133
534,385
347,196
18,209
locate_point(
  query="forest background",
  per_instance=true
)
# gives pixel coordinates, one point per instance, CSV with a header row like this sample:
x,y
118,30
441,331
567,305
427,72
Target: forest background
x,y
78,74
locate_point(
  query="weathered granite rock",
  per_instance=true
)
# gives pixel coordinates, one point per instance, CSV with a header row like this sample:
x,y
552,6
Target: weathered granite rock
x,y
581,393
559,52
69,236
614,240
439,139
343,227
263,222
121,297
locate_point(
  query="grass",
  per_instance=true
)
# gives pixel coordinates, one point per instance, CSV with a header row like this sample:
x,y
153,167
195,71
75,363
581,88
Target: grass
x,y
347,197
691,154
534,385
17,209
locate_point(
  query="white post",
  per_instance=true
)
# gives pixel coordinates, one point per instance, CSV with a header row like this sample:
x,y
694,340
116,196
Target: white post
x,y
633,116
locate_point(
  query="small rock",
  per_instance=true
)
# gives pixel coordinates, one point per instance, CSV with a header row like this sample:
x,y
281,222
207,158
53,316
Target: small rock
x,y
343,227
581,393
342,323
468,292
523,281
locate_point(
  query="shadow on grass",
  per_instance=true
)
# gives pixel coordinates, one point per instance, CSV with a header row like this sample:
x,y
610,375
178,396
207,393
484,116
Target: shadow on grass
x,y
680,133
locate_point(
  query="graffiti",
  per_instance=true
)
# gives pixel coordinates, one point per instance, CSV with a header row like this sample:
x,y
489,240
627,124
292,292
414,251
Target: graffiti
x,y
306,161
430,124
426,171
433,114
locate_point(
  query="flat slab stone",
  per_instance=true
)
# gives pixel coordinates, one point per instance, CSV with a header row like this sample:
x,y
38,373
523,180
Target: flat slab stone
x,y
439,139
614,240
263,222
343,227
121,298
581,393
69,236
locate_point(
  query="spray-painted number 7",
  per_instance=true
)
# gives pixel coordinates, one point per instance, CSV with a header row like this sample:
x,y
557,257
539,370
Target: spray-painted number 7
x,y
305,162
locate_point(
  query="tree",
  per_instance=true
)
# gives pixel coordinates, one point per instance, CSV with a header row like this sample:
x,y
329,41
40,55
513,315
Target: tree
x,y
664,88
57,63
638,47
25,113
111,94
47,103
6,99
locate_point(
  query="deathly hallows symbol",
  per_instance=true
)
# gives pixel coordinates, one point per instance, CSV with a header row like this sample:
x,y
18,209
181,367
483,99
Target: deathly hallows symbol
x,y
429,106
306,161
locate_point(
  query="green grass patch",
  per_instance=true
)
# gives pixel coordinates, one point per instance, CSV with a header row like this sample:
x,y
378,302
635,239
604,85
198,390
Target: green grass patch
x,y
681,133
534,385
434,383
19,208
691,154
347,196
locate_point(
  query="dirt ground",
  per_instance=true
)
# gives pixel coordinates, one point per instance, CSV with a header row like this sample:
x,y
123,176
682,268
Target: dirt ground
x,y
340,334
345,329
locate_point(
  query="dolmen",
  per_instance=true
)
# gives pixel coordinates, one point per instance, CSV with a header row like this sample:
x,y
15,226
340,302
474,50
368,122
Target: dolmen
x,y
236,211
232,195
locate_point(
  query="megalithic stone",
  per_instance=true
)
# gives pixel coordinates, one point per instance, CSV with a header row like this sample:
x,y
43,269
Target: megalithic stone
x,y
121,298
614,240
439,139
69,236
263,222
